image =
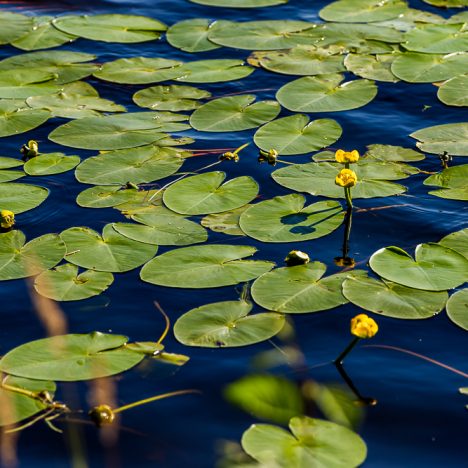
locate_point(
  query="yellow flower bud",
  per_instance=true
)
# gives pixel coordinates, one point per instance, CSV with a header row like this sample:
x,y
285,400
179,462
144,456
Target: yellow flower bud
x,y
363,326
7,219
346,178
296,257
347,156
101,415
229,156
270,157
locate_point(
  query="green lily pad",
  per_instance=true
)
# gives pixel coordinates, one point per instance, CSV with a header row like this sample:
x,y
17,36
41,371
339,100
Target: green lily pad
x,y
139,70
42,35
311,443
22,83
8,176
137,165
8,163
319,179
191,35
233,114
63,283
206,193
372,67
296,134
437,38
21,406
71,357
13,26
435,268
240,3
362,11
454,92
392,299
393,153
52,163
15,120
117,131
112,252
226,222
447,3
213,71
457,308
457,241
410,18
6,173
225,325
21,197
170,98
452,138
300,289
300,60
452,181
204,266
326,94
111,28
162,227
427,68
20,260
285,219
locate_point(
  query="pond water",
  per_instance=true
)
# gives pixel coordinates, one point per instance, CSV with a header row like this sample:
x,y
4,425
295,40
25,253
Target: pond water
x,y
420,419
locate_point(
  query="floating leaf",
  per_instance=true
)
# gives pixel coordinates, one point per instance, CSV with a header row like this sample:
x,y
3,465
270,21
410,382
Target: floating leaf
x,y
8,174
362,11
452,138
241,3
15,120
313,442
111,28
226,324
137,165
437,38
457,241
457,308
21,197
21,83
454,92
20,260
52,163
63,283
435,267
325,94
234,113
452,181
170,98
372,67
447,3
71,357
191,35
204,266
392,299
112,252
213,71
393,153
295,134
300,289
285,219
410,18
206,193
226,222
13,26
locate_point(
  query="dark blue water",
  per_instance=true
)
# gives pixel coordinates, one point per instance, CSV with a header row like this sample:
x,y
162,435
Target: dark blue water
x,y
420,420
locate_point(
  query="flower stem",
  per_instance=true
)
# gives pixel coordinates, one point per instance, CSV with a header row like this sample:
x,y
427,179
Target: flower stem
x,y
346,351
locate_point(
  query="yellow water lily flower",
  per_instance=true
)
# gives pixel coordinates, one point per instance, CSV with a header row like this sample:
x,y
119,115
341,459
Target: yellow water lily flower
x,y
101,415
296,257
363,326
7,219
344,157
346,178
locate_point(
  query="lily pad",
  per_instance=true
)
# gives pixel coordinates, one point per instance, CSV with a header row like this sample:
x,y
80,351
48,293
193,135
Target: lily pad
x,y
206,193
15,120
311,442
71,357
112,252
296,134
191,35
213,71
447,3
457,241
452,182
452,138
21,197
392,299
137,165
393,153
435,268
117,131
22,83
300,289
454,92
226,324
326,94
6,173
234,113
63,283
13,26
226,222
241,3
170,98
285,219
204,266
52,163
111,28
437,38
372,67
457,308
20,260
